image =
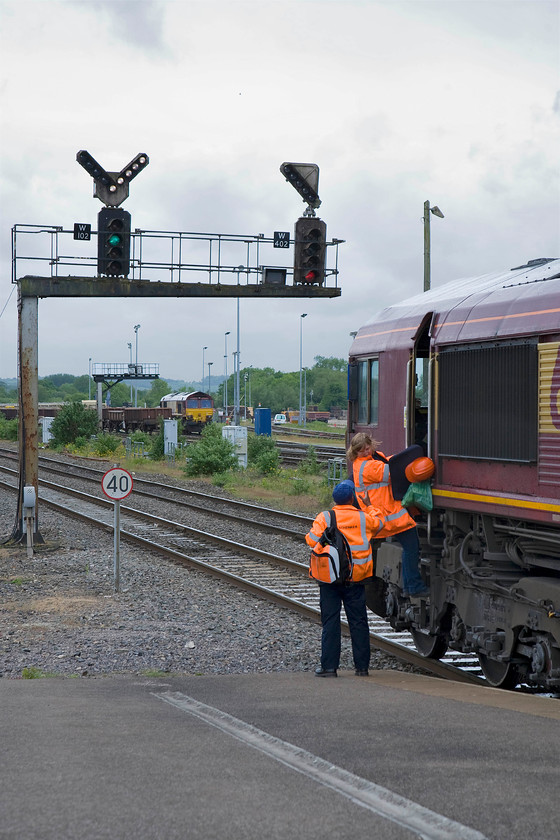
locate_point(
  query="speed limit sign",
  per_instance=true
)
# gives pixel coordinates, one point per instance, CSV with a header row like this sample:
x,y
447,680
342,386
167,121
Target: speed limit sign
x,y
117,484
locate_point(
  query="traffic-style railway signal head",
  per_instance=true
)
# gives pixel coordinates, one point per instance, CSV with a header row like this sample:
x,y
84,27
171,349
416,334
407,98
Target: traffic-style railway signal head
x,y
112,187
113,242
310,251
304,177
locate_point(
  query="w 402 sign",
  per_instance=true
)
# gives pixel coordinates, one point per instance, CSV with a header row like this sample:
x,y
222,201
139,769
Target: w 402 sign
x,y
117,484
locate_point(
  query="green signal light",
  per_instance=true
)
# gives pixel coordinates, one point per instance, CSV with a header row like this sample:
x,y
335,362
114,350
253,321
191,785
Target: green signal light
x,y
114,239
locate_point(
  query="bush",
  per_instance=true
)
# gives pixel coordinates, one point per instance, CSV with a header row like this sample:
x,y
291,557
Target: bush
x,y
8,429
301,487
73,421
157,450
263,454
310,465
269,462
140,437
212,454
105,444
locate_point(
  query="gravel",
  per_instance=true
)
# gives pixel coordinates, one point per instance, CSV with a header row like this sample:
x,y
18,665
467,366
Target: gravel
x,y
59,614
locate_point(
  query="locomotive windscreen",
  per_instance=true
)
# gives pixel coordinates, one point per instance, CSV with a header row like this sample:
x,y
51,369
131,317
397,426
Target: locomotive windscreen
x,y
488,402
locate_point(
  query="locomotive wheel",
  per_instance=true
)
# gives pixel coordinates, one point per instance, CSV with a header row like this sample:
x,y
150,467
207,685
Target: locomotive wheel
x,y
431,647
498,674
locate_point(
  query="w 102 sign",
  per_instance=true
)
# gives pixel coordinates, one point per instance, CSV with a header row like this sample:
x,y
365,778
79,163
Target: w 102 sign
x,y
117,484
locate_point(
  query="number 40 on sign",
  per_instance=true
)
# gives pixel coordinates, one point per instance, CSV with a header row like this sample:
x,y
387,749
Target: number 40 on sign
x,y
117,484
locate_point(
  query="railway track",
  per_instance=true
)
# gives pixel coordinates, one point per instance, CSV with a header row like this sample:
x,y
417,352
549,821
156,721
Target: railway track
x,y
292,453
283,580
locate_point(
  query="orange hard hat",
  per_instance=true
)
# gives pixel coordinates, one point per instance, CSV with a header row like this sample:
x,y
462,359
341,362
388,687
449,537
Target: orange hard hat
x,y
421,469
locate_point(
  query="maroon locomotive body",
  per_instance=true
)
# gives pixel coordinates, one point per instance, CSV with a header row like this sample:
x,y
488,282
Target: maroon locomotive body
x,y
471,372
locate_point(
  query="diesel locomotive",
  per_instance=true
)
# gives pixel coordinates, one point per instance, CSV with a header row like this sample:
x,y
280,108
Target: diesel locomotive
x,y
194,409
471,373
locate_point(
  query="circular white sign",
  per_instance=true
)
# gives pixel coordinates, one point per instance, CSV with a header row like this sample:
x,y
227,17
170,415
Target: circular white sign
x,y
117,483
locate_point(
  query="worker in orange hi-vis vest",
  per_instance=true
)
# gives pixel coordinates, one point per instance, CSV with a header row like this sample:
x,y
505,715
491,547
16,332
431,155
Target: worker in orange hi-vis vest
x,y
374,494
359,529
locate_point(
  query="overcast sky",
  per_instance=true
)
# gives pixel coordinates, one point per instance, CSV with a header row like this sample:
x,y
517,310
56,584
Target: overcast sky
x,y
452,101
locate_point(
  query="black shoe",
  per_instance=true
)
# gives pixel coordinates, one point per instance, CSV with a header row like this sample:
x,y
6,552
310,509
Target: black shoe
x,y
323,672
364,673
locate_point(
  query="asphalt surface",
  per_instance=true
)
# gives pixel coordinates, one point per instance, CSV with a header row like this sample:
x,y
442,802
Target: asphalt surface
x,y
392,756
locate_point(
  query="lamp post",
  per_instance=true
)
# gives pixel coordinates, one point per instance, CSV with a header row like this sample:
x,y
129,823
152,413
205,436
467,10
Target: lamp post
x,y
304,315
225,374
250,400
235,383
437,212
209,366
202,377
238,358
136,328
129,345
89,378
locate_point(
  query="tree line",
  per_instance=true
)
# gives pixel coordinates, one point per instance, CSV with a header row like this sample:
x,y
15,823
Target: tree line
x,y
325,387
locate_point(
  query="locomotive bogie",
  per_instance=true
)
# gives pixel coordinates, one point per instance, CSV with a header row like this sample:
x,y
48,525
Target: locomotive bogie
x,y
471,373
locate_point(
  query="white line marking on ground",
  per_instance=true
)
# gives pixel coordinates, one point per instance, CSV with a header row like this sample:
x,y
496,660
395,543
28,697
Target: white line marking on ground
x,y
427,824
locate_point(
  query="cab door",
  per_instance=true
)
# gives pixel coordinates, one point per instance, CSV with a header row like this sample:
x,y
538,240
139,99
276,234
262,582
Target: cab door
x,y
419,388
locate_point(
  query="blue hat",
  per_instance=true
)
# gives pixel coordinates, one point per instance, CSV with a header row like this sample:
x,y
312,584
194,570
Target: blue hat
x,y
343,492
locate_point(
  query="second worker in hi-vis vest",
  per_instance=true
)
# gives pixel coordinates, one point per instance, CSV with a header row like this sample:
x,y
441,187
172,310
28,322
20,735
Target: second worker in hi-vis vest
x,y
358,528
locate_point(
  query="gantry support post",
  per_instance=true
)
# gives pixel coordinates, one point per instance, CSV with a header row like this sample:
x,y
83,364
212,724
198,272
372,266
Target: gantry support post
x,y
28,340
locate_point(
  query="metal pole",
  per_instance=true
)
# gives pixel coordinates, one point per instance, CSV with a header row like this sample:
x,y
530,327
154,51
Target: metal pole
x,y
28,334
250,401
136,328
202,377
237,412
100,403
130,348
305,397
301,366
234,354
426,246
89,378
225,374
209,366
117,545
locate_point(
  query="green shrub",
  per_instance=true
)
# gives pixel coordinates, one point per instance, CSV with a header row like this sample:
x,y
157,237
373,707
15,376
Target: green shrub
x,y
310,465
301,487
141,437
73,421
212,454
105,444
8,429
220,479
263,454
157,449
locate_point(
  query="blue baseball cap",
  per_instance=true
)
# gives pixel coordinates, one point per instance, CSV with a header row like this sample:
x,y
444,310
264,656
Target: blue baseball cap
x,y
343,492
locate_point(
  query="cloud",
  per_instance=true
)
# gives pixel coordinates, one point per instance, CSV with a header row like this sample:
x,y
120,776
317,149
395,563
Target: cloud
x,y
134,23
397,102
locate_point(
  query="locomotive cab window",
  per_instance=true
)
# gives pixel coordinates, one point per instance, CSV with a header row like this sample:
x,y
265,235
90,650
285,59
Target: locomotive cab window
x,y
367,396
